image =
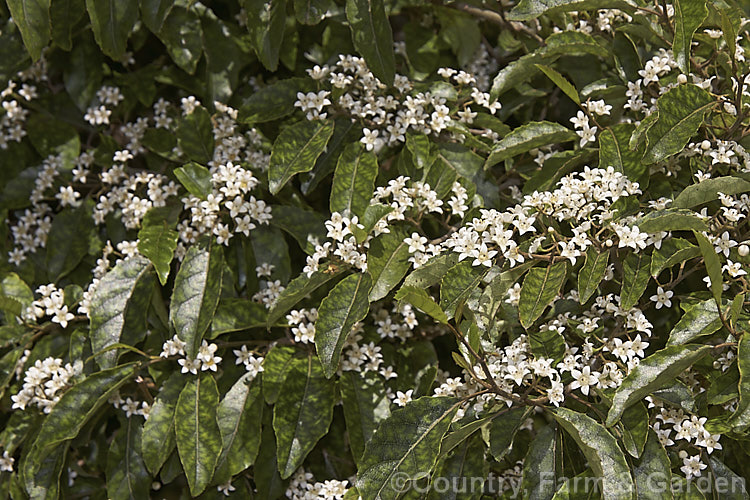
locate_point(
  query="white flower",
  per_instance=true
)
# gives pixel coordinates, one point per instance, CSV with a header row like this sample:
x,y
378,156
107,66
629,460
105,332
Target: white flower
x,y
692,466
662,298
371,139
403,397
734,269
6,462
584,379
68,196
226,488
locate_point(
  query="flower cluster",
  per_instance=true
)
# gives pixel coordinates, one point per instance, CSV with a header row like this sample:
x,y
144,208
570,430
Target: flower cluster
x,y
304,487
45,382
205,360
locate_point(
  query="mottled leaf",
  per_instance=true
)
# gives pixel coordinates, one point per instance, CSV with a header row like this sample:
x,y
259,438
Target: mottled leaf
x,y
295,150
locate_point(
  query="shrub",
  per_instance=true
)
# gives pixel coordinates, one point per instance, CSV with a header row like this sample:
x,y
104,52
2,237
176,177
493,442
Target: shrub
x,y
353,249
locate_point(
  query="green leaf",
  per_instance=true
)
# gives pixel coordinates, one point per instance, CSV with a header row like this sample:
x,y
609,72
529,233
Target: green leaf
x,y
463,467
302,413
344,306
195,178
673,251
615,152
652,373
526,10
733,485
740,419
198,436
311,11
688,16
196,294
353,180
457,284
591,274
119,307
295,150
634,426
713,265
601,450
635,279
158,439
239,416
387,261
182,35
15,288
305,226
298,289
127,477
233,315
432,272
265,22
708,190
503,430
112,21
273,101
68,240
195,135
680,113
420,299
539,465
64,15
561,82
567,43
275,368
527,137
724,388
158,243
701,319
421,150
372,36
405,446
76,407
155,12
366,404
539,289
653,467
32,19
547,343
671,219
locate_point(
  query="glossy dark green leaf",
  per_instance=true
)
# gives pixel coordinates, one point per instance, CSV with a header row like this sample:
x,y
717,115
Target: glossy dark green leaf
x,y
112,21
302,414
740,419
653,470
196,430
158,438
463,467
526,10
539,289
353,181
41,475
503,430
64,15
387,262
305,226
196,294
195,135
273,101
673,251
700,319
265,22
311,11
76,407
344,306
32,19
233,315
591,274
732,485
432,272
601,450
276,366
195,178
547,343
708,190
652,373
405,445
181,34
688,16
457,284
239,417
713,266
724,388
127,477
372,36
420,299
295,150
158,243
615,152
68,240
636,275
671,219
634,427
366,404
297,289
538,478
119,307
527,137
680,113
561,82
155,12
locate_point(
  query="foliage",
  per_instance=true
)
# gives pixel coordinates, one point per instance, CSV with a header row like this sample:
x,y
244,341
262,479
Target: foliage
x,y
374,248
